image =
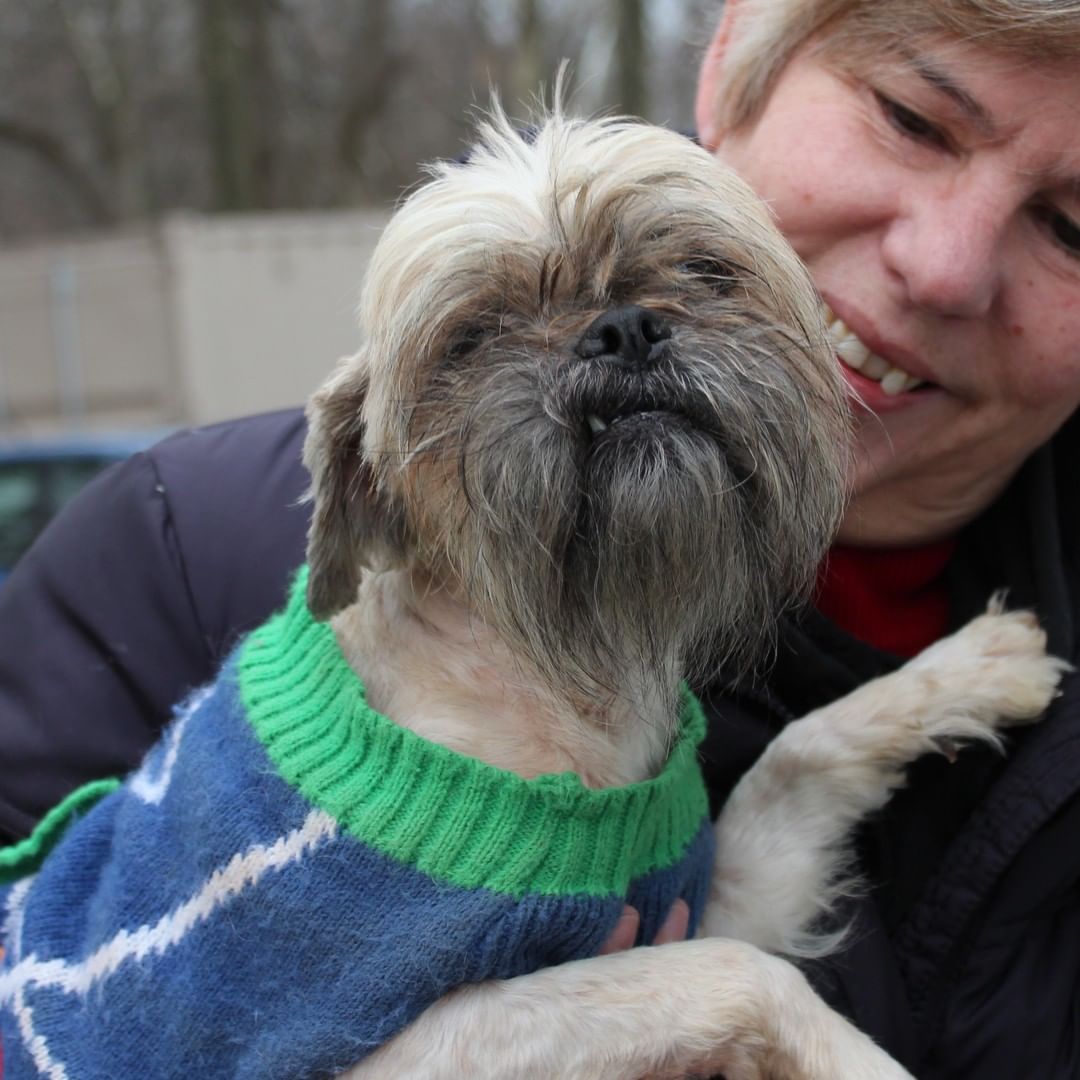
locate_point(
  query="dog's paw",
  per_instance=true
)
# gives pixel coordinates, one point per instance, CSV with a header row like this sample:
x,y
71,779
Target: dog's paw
x,y
995,672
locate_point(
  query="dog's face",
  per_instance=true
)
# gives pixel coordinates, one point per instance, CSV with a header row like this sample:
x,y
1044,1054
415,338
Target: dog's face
x,y
594,395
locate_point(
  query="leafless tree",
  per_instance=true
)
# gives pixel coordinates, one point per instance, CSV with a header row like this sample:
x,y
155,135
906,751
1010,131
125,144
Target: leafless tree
x,y
115,110
631,77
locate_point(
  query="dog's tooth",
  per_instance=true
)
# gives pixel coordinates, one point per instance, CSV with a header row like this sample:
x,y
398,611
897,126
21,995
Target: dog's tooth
x,y
596,425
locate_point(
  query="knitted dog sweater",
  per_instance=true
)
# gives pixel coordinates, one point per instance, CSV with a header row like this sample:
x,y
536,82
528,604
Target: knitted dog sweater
x,y
290,878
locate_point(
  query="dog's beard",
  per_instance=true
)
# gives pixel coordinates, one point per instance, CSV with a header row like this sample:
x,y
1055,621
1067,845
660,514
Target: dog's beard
x,y
661,546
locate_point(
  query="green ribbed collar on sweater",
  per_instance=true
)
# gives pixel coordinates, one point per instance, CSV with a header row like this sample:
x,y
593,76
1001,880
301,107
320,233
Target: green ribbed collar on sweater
x,y
452,817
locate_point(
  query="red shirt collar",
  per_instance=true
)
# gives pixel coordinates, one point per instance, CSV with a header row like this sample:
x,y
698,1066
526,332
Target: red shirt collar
x,y
892,598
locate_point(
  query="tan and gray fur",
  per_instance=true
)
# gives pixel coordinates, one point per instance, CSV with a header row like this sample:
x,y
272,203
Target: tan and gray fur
x,y
593,444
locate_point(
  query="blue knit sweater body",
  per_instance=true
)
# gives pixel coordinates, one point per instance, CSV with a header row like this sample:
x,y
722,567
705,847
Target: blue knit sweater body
x,y
290,878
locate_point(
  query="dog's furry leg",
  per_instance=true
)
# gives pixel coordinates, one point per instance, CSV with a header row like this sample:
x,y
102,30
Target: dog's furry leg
x,y
694,1007
781,837
718,1005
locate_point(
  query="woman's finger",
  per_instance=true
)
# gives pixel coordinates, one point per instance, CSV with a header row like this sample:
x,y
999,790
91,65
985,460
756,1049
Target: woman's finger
x,y
675,925
625,932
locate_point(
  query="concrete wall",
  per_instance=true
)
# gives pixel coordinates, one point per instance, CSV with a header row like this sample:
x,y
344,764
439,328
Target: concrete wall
x,y
264,305
195,320
84,335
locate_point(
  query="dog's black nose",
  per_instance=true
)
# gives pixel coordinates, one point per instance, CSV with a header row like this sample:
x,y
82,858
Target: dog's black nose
x,y
626,336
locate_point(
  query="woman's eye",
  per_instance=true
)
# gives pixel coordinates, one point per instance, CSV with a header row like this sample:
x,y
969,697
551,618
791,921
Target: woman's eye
x,y
909,123
1062,228
717,274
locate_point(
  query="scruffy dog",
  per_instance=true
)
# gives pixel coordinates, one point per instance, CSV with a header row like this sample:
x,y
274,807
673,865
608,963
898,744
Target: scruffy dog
x,y
594,442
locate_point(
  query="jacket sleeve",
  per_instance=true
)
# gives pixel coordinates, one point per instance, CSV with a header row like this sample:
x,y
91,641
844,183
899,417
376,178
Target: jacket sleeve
x,y
134,595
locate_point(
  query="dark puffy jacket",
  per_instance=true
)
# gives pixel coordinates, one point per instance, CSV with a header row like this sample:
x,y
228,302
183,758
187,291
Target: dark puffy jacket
x,y
965,961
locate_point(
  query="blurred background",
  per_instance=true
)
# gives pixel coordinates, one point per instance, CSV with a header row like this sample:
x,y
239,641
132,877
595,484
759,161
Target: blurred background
x,y
189,190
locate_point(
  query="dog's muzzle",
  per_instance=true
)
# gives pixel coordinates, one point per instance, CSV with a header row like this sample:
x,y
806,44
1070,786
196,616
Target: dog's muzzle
x,y
622,353
630,337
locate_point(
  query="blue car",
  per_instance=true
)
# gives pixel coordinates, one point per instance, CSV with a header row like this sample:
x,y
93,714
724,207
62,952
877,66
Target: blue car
x,y
37,477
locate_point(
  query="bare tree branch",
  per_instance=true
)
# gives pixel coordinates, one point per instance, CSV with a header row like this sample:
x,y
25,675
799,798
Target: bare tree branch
x,y
140,105
96,44
51,152
631,90
367,86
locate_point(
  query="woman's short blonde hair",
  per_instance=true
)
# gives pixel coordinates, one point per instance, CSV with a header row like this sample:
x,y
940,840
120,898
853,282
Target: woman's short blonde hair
x,y
767,33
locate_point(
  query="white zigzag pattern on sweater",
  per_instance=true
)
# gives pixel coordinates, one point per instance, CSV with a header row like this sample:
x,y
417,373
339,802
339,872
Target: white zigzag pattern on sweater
x,y
149,788
11,934
243,871
46,1064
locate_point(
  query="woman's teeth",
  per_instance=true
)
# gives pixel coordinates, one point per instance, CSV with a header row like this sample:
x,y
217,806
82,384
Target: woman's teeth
x,y
856,355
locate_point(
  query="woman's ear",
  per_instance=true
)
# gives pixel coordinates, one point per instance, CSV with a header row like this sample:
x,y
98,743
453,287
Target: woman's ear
x,y
355,525
706,104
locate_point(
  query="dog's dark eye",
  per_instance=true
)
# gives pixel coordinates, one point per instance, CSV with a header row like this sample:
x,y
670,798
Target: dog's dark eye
x,y
464,343
715,273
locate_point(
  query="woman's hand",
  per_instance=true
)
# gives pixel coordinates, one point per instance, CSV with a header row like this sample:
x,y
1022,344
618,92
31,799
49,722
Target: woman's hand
x,y
625,933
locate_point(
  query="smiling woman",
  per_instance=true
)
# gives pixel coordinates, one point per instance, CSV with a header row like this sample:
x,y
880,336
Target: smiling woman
x,y
933,194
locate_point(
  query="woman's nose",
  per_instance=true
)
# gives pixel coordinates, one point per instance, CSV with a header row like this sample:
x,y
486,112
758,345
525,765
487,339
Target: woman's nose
x,y
946,249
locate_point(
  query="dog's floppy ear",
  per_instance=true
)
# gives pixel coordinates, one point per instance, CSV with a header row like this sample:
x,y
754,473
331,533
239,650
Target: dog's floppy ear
x,y
354,525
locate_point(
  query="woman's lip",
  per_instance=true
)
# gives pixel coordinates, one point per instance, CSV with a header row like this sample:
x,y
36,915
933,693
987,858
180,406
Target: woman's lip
x,y
869,395
890,352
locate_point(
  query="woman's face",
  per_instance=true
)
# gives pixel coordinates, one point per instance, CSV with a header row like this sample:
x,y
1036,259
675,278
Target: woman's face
x,y
936,200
